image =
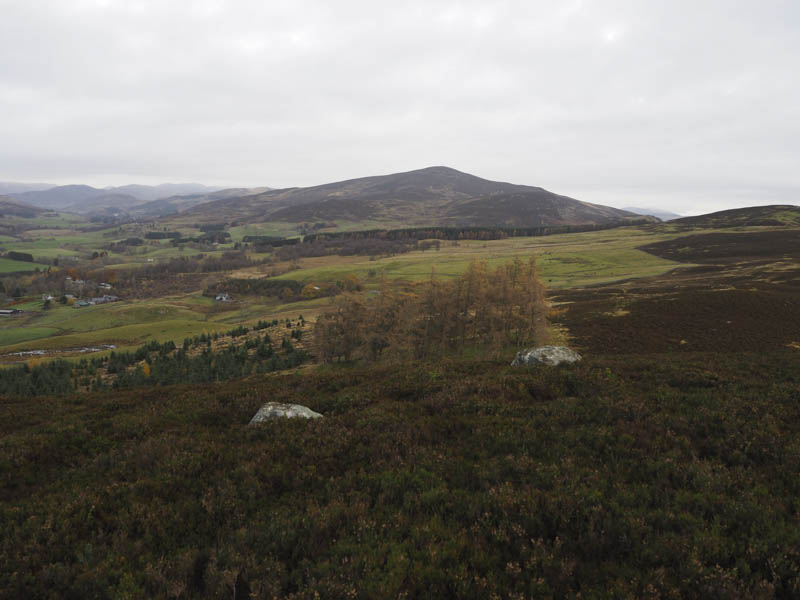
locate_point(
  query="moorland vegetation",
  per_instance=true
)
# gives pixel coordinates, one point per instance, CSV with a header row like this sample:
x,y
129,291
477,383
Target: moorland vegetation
x,y
665,464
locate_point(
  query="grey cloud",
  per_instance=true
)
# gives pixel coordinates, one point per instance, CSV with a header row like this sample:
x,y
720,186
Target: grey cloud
x,y
683,104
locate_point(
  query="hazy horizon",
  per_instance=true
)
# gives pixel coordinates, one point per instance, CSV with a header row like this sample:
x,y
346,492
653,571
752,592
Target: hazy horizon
x,y
657,104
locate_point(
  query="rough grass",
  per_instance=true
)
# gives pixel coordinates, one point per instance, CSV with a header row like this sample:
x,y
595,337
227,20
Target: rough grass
x,y
129,324
14,335
8,266
565,260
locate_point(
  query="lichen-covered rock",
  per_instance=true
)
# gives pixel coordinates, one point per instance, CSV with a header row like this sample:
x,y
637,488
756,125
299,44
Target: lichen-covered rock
x,y
551,356
277,410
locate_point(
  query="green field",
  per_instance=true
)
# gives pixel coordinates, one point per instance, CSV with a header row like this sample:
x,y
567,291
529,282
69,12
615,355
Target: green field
x,y
11,336
565,260
8,266
129,324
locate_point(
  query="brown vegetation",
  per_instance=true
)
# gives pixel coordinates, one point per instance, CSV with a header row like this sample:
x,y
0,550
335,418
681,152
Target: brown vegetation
x,y
744,297
492,308
718,248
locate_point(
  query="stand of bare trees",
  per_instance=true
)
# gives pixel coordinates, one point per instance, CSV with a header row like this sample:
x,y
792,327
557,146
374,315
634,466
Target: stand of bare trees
x,y
490,309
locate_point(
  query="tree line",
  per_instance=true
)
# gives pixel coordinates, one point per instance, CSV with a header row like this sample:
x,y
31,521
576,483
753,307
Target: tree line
x,y
466,233
158,363
366,246
487,308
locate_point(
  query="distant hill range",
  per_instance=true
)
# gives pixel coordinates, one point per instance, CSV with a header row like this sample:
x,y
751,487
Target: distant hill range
x,y
84,199
10,187
752,216
180,203
664,215
438,196
11,208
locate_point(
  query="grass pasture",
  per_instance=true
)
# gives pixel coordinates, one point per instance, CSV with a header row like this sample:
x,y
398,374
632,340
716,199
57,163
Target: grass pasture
x,y
8,266
11,336
124,324
565,260
129,324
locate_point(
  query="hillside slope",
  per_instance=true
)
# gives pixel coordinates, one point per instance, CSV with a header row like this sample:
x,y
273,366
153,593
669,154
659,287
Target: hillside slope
x,y
175,204
60,197
431,196
664,215
10,207
85,198
772,215
148,193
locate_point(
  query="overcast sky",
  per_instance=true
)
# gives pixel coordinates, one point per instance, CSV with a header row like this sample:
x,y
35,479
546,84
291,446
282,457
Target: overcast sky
x,y
684,105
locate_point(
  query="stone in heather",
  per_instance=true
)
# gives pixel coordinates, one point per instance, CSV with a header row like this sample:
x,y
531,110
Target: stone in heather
x,y
551,356
277,410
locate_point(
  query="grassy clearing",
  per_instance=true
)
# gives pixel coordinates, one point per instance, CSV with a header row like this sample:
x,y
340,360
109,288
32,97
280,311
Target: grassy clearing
x,y
11,336
41,251
8,266
129,324
125,337
58,220
787,217
565,260
274,229
118,323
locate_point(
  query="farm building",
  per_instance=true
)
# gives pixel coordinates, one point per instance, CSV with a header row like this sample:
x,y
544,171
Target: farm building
x,y
104,299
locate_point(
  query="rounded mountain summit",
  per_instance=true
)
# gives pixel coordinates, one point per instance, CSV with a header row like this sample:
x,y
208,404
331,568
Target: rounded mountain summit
x,y
434,196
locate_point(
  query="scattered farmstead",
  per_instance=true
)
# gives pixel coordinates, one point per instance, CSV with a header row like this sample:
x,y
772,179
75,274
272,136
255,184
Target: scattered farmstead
x,y
93,301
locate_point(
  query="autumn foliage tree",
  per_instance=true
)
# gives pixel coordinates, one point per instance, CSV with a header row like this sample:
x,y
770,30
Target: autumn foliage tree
x,y
488,308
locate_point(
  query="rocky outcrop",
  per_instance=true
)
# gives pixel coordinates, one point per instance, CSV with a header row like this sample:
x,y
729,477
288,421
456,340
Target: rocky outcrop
x,y
277,410
551,356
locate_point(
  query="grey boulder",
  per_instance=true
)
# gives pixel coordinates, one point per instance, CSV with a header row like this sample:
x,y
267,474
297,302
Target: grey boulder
x,y
551,356
277,410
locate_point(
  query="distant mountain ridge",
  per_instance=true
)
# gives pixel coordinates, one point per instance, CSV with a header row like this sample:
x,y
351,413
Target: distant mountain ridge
x,y
176,204
85,199
8,188
439,196
148,193
664,215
